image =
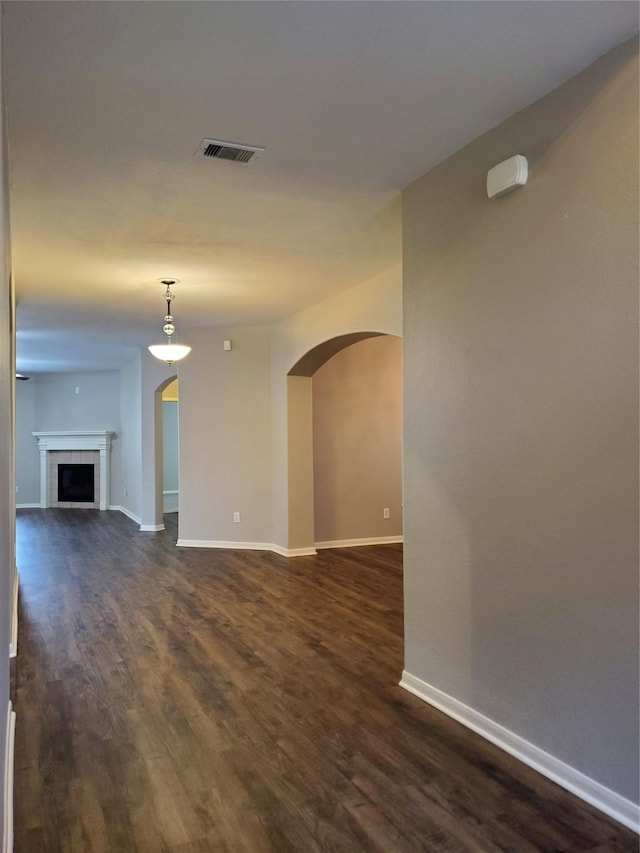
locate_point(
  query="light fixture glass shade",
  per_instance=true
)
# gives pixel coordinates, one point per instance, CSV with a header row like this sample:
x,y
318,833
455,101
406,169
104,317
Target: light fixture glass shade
x,y
169,352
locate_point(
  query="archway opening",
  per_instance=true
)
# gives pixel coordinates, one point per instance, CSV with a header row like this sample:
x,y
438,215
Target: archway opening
x,y
170,468
159,449
344,471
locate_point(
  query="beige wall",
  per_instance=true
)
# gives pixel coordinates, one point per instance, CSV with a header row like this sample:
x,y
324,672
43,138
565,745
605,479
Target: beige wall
x,y
357,419
246,427
27,455
520,435
126,486
225,436
374,306
170,393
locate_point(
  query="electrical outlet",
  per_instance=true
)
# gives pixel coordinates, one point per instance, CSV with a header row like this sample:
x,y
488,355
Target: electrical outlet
x,y
236,518
385,512
17,489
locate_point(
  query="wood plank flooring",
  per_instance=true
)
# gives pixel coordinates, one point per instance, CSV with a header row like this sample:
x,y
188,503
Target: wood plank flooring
x,y
183,700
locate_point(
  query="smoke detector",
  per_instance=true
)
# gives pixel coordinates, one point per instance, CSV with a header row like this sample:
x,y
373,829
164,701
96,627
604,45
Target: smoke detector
x,y
232,152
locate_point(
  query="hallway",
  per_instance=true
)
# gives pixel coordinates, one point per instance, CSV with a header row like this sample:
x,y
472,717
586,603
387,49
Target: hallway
x,y
208,700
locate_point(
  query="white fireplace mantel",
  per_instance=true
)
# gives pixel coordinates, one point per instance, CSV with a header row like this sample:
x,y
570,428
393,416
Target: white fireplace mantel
x,y
99,439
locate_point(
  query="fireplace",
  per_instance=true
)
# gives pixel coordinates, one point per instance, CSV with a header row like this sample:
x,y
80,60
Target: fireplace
x,y
75,483
63,456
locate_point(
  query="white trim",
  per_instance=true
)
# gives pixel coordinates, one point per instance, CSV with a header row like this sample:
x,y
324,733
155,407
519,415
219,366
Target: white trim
x,y
293,552
219,543
246,546
126,512
7,841
13,645
356,543
151,528
171,500
28,506
608,801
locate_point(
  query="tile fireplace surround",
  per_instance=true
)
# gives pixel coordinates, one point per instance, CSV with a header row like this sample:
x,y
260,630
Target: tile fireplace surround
x,y
77,447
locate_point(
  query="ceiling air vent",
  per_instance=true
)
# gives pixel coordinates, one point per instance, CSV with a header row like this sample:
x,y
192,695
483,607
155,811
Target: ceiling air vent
x,y
233,152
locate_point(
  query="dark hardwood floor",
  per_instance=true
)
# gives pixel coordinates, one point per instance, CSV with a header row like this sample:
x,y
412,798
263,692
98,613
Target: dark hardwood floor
x,y
199,700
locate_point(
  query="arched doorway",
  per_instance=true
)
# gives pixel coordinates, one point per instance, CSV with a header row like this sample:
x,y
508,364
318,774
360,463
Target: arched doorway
x,y
153,461
170,468
359,498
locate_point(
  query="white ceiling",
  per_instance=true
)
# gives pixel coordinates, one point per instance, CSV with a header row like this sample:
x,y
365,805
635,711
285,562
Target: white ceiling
x,y
108,101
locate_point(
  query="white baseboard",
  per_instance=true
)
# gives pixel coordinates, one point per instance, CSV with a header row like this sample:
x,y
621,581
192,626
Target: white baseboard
x,y
220,543
171,501
293,552
13,645
608,801
7,805
126,512
286,552
246,546
144,528
356,543
29,506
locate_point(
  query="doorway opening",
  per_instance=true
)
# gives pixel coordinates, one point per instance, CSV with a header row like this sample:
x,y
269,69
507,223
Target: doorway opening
x,y
344,443
165,455
170,467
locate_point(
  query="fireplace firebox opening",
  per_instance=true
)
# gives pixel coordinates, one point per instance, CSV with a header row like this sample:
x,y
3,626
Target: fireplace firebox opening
x,y
76,483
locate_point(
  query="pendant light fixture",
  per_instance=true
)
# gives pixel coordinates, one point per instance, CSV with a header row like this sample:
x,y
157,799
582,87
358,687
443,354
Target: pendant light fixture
x,y
169,352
